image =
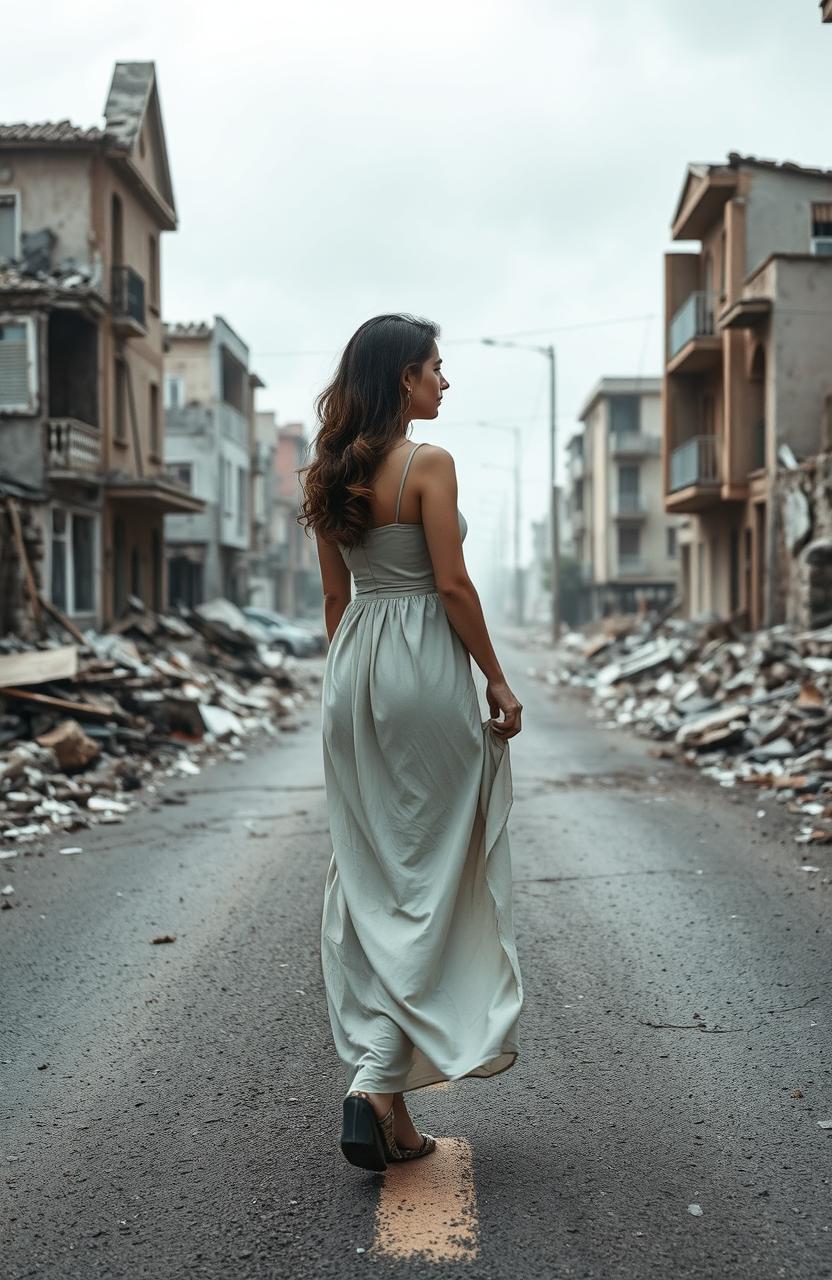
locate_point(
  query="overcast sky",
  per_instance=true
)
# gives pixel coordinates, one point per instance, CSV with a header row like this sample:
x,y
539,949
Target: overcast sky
x,y
496,165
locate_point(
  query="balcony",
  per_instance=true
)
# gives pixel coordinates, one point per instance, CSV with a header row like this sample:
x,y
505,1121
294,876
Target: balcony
x,y
127,303
629,506
73,449
694,475
630,566
634,444
693,343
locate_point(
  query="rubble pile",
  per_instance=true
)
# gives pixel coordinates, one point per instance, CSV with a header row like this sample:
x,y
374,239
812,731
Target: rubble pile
x,y
83,726
746,709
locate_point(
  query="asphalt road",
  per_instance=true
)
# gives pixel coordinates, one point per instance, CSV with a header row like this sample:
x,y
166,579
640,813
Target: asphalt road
x,y
173,1110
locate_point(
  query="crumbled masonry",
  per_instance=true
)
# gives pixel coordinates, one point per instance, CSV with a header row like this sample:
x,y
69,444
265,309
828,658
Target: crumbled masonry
x,y
84,727
751,710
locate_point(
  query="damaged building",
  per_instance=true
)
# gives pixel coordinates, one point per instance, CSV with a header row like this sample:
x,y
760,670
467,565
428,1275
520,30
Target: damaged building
x,y
748,379
622,539
212,451
82,212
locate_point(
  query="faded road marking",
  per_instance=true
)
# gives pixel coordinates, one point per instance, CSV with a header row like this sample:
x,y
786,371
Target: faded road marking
x,y
427,1208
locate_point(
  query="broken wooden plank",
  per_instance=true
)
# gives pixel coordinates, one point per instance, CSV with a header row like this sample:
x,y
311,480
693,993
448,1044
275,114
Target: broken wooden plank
x,y
38,666
14,516
64,704
65,622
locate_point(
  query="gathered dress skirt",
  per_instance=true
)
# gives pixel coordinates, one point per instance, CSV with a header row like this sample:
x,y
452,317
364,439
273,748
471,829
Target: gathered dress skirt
x,y
418,948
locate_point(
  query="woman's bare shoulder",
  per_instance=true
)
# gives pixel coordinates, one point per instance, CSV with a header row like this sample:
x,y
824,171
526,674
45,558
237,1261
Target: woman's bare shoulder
x,y
435,457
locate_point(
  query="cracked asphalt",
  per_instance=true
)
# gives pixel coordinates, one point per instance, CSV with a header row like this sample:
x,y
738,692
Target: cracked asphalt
x,y
173,1110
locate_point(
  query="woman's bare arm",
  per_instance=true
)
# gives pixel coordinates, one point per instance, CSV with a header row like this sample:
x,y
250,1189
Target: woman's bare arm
x,y
335,580
437,485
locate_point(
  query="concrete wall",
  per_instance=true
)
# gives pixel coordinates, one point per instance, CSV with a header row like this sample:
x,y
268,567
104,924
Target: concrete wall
x,y
778,213
801,351
55,190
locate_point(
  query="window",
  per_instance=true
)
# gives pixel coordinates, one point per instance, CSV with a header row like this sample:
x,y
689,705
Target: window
x,y
182,473
174,391
120,424
629,544
153,271
72,554
9,224
227,496
18,366
155,438
671,542
822,230
242,478
629,487
625,415
723,263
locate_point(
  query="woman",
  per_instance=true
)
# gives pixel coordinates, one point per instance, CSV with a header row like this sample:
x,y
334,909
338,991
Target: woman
x,y
417,941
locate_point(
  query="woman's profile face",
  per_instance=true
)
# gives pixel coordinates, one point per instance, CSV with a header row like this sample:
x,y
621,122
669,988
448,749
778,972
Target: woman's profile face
x,y
427,387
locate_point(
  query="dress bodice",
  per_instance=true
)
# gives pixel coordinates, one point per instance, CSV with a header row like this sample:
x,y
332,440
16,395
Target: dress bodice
x,y
393,558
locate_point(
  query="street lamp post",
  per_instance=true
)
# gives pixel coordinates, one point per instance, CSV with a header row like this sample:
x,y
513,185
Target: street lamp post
x,y
554,505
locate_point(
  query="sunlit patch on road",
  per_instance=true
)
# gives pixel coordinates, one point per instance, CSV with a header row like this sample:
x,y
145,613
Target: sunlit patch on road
x,y
427,1208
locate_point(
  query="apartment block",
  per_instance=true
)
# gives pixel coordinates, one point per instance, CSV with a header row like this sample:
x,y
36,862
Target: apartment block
x,y
298,579
82,213
748,335
621,537
211,451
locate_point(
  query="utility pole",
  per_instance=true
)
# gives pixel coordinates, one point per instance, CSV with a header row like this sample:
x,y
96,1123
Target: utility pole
x,y
554,503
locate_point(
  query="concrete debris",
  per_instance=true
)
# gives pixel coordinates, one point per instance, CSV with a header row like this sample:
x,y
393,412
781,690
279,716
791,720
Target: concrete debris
x,y
156,697
752,709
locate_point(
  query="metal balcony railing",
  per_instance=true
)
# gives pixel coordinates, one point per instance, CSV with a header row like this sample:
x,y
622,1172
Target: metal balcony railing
x,y
629,504
127,297
635,443
629,566
72,446
694,462
694,319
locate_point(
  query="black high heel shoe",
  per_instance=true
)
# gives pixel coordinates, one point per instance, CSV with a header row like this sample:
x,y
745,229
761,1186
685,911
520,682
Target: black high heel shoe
x,y
362,1135
371,1143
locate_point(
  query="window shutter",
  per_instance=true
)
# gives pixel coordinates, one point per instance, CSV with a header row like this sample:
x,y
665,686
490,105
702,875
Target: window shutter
x,y
14,367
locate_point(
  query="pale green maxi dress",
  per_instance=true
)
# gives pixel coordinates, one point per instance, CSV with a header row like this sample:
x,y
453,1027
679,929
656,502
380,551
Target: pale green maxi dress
x,y
417,940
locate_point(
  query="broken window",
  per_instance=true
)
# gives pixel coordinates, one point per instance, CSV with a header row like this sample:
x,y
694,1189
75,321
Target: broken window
x,y
18,367
72,344
9,225
72,556
822,230
233,381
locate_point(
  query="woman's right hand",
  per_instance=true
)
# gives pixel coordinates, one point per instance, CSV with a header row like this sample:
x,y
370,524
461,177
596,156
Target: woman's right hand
x,y
501,699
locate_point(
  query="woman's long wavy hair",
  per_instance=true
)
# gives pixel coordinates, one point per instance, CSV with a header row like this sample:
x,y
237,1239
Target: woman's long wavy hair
x,y
362,414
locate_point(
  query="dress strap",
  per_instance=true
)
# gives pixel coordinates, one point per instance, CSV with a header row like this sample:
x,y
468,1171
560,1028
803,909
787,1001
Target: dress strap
x,y
404,474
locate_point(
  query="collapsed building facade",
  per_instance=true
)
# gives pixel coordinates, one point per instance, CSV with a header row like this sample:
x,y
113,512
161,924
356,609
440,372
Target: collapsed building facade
x,y
748,378
82,213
